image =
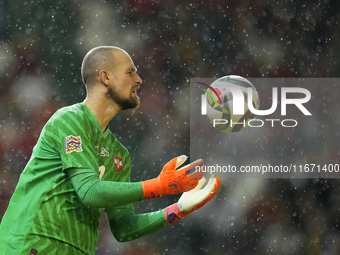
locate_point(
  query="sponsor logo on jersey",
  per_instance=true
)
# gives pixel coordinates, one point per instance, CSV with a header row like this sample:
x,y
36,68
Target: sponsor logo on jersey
x,y
118,163
72,143
104,153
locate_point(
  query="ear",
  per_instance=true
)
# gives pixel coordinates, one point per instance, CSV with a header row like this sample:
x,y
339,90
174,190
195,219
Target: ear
x,y
104,77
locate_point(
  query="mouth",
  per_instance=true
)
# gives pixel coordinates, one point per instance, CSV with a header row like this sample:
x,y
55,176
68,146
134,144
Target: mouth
x,y
135,91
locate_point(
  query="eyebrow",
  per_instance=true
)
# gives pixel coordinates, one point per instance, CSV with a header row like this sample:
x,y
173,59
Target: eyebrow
x,y
131,69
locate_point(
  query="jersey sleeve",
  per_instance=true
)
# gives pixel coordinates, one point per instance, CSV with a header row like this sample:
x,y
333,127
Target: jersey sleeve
x,y
97,193
70,134
126,226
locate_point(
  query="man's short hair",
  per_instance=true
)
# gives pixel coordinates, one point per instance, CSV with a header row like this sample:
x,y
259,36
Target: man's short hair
x,y
97,59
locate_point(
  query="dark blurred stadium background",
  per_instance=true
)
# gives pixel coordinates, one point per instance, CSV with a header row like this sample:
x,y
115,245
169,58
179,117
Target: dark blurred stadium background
x,y
41,48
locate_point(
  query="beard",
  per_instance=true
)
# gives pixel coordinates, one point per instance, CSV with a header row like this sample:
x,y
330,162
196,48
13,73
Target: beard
x,y
124,103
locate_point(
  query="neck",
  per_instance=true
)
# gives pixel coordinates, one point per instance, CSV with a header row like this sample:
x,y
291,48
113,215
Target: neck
x,y
102,107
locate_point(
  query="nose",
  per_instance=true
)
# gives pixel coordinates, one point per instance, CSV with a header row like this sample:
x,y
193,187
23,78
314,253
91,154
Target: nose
x,y
139,80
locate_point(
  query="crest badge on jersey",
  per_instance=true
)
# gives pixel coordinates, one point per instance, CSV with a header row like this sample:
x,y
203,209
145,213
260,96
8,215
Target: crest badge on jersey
x,y
72,143
118,163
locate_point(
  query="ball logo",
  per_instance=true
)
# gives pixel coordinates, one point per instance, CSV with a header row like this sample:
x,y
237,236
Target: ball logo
x,y
231,104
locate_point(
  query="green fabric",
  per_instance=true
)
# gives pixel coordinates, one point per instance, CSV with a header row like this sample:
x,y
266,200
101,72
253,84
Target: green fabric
x,y
45,211
96,193
126,225
118,198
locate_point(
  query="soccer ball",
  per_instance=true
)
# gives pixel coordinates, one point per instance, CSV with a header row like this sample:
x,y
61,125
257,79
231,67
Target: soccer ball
x,y
232,91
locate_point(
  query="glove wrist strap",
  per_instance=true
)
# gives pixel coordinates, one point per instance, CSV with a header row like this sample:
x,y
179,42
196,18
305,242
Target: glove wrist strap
x,y
172,214
152,188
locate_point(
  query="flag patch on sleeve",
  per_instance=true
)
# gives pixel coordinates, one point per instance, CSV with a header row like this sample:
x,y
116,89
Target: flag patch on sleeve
x,y
72,143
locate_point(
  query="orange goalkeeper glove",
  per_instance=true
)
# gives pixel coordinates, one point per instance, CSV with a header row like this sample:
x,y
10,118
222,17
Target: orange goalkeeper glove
x,y
172,181
192,200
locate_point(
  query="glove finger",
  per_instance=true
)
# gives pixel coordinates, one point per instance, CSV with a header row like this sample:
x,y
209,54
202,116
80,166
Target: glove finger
x,y
199,184
172,164
217,184
207,196
210,189
198,173
193,169
180,160
203,194
194,181
210,186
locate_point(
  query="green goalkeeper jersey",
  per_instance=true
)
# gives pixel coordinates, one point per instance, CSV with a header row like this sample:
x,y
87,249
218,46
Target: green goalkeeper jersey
x,y
45,211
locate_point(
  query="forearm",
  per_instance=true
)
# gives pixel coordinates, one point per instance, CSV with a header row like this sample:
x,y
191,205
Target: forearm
x,y
96,193
107,194
132,226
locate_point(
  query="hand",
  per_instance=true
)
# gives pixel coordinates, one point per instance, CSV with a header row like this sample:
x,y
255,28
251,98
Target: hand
x,y
192,200
172,181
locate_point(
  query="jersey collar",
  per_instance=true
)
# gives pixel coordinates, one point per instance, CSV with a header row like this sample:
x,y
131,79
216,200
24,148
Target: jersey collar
x,y
94,119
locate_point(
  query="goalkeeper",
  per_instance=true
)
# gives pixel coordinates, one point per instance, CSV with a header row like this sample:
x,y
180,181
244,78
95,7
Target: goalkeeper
x,y
78,167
